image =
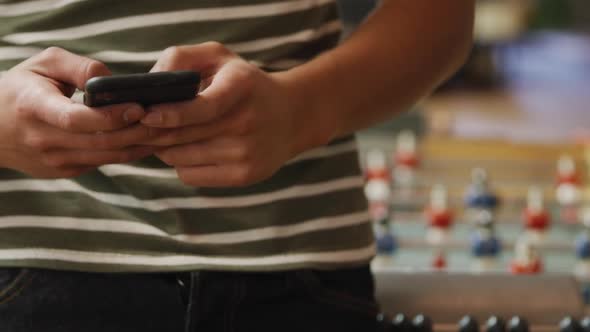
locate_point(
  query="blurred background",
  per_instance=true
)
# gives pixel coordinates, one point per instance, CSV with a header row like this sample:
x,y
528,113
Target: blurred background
x,y
501,154
530,64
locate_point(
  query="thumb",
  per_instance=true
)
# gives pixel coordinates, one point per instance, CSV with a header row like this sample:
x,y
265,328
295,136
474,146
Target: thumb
x,y
204,58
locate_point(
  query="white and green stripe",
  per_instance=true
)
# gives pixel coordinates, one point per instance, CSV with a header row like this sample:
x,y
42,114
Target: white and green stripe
x,y
119,262
333,27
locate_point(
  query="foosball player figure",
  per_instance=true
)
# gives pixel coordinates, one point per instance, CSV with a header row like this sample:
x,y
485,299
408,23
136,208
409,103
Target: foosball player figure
x,y
376,166
568,192
377,186
582,268
378,195
527,259
536,217
439,261
567,172
439,216
479,196
440,219
485,245
386,242
406,160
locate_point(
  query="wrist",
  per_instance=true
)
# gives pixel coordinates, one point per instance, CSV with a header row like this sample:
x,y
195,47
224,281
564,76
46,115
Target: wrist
x,y
311,121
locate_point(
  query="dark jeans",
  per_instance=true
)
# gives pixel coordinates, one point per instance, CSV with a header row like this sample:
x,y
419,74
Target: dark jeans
x,y
36,300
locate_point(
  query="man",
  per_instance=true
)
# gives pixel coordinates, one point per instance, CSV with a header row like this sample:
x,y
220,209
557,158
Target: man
x,y
241,210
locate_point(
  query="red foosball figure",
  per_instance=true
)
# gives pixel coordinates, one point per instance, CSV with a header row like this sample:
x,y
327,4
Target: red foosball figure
x,y
440,261
409,160
406,154
439,216
534,268
536,217
527,259
568,191
536,220
566,171
405,160
380,174
376,167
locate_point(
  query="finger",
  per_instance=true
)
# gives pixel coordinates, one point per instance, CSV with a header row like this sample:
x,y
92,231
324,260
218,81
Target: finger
x,y
229,86
71,158
204,153
63,172
235,123
61,112
45,138
45,100
66,67
203,58
228,175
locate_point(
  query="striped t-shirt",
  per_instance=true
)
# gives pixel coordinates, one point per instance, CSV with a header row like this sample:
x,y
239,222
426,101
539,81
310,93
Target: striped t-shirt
x,y
139,216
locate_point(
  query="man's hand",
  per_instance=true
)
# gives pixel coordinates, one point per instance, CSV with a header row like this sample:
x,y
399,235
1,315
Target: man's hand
x,y
248,123
45,134
240,130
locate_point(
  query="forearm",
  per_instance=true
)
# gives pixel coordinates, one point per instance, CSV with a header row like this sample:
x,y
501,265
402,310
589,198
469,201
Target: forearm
x,y
398,56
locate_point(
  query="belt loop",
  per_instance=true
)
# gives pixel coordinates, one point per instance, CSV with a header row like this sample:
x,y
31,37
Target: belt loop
x,y
192,308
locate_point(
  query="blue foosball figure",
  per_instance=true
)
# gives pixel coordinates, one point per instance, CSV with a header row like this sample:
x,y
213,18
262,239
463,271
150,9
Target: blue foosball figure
x,y
386,244
583,246
478,195
488,201
586,294
485,244
384,238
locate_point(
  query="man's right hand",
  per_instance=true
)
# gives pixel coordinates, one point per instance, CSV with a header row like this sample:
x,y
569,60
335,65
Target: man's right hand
x,y
45,134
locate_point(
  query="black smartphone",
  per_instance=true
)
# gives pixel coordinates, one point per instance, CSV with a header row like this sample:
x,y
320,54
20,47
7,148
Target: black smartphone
x,y
145,89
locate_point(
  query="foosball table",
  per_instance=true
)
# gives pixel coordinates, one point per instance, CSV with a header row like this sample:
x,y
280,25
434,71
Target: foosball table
x,y
479,235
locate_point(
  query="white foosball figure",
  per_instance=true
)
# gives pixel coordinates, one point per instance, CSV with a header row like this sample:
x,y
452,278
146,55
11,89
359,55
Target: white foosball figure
x,y
536,217
526,258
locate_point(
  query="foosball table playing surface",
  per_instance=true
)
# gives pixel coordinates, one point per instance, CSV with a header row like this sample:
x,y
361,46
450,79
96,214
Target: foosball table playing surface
x,y
459,279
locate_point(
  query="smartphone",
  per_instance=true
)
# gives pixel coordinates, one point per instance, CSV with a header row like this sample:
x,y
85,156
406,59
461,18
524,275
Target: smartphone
x,y
145,89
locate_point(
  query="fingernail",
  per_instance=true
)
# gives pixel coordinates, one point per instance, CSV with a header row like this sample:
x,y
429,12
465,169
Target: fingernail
x,y
133,114
153,118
